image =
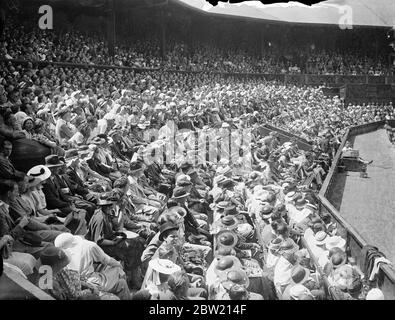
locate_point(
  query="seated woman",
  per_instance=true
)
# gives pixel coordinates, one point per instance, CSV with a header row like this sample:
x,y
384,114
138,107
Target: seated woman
x,y
67,283
38,135
96,267
156,277
28,127
17,239
179,285
19,209
103,229
23,261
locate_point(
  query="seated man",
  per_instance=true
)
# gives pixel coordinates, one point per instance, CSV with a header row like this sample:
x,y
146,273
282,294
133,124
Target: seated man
x,y
104,230
56,199
7,170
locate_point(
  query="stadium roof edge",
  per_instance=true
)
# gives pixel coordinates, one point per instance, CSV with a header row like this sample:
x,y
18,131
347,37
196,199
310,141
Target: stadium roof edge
x,y
269,19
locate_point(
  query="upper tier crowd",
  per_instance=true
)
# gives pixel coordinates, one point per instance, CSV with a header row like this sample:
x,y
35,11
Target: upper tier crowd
x,y
21,41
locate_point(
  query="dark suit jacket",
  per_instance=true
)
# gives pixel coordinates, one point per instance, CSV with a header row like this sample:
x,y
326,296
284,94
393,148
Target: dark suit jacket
x,y
74,182
53,196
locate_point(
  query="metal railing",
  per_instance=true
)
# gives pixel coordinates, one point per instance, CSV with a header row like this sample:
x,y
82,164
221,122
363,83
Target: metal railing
x,y
355,242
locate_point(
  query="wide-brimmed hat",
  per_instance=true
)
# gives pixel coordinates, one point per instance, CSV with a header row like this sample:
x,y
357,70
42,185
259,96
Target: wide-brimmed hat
x,y
183,180
320,238
53,161
32,181
300,203
165,228
227,238
265,210
180,193
40,172
164,266
54,257
299,274
335,242
228,223
275,245
298,290
236,276
226,263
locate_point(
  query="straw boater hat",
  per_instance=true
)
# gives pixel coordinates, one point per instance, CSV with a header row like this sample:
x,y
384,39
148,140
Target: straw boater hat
x,y
335,242
164,266
320,238
40,172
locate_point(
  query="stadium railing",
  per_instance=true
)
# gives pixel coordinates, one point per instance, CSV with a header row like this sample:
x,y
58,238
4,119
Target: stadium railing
x,y
355,242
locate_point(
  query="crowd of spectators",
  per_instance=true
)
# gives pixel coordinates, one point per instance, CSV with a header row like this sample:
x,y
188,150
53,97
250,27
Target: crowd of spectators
x,y
152,227
21,41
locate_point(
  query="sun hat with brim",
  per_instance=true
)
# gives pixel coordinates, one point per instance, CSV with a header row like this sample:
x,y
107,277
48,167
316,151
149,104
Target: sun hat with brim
x,y
375,294
166,228
228,223
298,290
183,180
227,238
226,263
275,245
67,240
98,141
40,172
32,181
180,193
299,274
266,210
236,276
288,247
164,266
54,257
320,238
53,160
335,242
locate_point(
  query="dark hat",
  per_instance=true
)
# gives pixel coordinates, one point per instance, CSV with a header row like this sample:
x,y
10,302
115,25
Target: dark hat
x,y
54,257
179,193
53,161
228,222
165,228
231,210
236,276
31,239
227,238
299,274
338,259
226,263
